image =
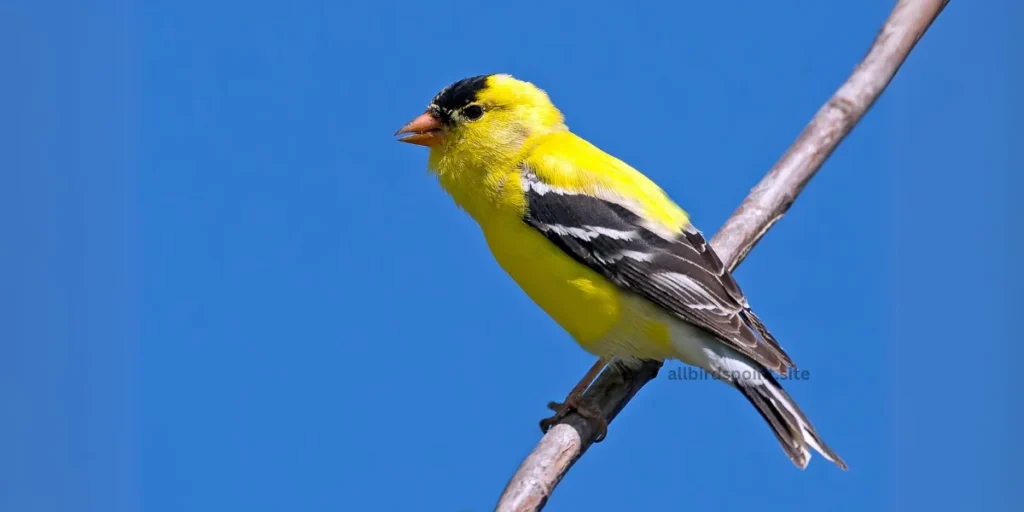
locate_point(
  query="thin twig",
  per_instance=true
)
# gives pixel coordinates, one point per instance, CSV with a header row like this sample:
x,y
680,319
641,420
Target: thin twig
x,y
558,450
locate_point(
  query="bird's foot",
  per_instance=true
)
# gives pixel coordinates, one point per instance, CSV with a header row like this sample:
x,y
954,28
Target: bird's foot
x,y
576,403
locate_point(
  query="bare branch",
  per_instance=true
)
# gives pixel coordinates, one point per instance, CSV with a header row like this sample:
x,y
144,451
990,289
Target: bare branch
x,y
559,449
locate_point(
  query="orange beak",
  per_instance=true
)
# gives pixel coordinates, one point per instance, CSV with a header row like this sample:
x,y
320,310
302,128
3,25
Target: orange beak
x,y
425,130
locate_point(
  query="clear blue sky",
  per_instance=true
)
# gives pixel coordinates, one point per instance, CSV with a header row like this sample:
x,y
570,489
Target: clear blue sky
x,y
223,286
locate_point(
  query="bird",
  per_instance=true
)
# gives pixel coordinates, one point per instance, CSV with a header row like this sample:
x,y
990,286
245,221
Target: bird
x,y
601,248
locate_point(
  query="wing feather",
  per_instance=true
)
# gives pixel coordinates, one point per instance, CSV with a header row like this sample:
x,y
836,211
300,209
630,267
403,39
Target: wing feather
x,y
678,271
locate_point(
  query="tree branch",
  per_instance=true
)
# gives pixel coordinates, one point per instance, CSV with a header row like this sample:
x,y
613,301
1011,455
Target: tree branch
x,y
559,449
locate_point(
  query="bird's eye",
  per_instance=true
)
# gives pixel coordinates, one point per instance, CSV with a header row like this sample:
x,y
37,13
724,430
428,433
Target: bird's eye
x,y
473,112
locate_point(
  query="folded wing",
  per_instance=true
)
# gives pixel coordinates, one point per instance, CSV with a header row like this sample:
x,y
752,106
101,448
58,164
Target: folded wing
x,y
678,271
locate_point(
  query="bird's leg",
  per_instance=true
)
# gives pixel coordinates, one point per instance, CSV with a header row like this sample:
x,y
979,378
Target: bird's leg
x,y
574,402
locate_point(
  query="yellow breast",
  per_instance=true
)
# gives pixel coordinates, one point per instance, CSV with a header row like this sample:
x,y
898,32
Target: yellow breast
x,y
604,319
580,300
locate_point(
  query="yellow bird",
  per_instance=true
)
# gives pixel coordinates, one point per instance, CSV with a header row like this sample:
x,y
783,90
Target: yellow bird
x,y
600,247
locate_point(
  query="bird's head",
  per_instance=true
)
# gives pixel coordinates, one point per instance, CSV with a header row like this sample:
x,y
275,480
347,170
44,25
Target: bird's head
x,y
481,120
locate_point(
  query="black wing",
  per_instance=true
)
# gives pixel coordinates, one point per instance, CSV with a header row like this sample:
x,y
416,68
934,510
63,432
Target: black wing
x,y
681,273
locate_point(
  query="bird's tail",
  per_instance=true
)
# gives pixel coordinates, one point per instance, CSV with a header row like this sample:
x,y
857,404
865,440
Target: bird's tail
x,y
794,432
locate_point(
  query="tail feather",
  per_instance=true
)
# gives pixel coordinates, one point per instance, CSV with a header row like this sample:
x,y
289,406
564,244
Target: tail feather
x,y
795,433
791,427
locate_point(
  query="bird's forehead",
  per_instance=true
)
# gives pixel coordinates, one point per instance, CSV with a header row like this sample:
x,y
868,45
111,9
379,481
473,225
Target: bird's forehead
x,y
459,94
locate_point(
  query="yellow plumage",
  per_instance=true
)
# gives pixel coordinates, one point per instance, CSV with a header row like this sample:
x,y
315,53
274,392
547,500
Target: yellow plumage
x,y
600,247
484,179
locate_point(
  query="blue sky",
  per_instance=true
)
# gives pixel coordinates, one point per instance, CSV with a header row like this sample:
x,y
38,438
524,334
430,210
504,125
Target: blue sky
x,y
225,286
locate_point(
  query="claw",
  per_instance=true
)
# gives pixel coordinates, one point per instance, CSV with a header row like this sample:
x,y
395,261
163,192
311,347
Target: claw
x,y
573,403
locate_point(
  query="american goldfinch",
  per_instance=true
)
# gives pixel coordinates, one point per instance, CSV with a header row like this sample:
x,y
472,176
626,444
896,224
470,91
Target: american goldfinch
x,y
600,247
